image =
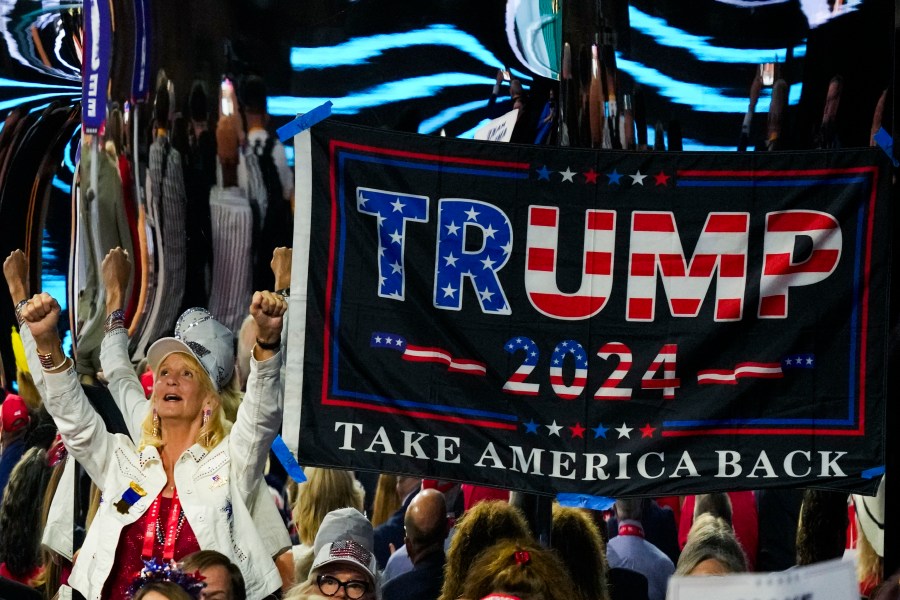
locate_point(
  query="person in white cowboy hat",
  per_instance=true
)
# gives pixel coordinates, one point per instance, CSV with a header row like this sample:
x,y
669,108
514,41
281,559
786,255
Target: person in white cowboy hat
x,y
185,486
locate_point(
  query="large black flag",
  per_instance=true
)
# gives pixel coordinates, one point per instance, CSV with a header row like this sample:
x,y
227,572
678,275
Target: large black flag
x,y
611,323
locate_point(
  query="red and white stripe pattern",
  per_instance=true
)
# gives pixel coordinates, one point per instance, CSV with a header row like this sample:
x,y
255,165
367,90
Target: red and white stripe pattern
x,y
427,354
665,360
542,263
745,370
568,392
609,390
780,272
656,248
516,384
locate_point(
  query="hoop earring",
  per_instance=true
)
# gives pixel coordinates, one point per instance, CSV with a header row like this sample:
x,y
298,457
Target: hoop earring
x,y
155,431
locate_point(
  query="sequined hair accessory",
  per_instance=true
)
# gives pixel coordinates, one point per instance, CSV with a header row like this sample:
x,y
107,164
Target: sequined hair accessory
x,y
156,571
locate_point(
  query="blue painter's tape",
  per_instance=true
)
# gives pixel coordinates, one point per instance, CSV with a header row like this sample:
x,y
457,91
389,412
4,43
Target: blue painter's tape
x,y
873,472
886,143
304,121
287,460
586,501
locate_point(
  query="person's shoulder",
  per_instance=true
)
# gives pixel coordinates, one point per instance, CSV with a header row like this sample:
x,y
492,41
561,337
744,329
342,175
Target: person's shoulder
x,y
659,556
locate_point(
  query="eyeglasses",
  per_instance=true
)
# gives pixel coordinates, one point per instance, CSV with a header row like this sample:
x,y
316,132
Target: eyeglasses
x,y
330,586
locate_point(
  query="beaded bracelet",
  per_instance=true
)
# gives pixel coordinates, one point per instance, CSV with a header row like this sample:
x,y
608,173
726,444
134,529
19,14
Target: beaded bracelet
x,y
47,361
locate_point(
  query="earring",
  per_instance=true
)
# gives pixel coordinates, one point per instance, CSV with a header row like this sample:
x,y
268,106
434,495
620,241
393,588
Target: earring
x,y
155,431
206,436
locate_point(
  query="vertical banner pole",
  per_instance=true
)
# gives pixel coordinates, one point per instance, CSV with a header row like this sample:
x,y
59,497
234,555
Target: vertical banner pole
x,y
892,411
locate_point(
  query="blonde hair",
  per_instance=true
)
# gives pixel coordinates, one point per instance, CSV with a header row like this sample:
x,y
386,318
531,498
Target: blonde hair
x,y
869,566
386,501
323,491
210,434
49,577
27,390
711,537
230,397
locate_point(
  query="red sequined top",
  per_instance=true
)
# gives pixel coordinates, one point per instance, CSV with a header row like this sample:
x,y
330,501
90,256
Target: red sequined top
x,y
128,563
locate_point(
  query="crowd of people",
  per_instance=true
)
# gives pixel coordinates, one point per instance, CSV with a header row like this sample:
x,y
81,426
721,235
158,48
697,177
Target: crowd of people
x,y
171,420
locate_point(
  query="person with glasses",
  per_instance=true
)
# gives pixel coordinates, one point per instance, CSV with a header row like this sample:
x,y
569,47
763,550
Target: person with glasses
x,y
344,565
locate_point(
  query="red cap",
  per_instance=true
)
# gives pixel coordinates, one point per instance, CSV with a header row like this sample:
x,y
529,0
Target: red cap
x,y
147,382
15,413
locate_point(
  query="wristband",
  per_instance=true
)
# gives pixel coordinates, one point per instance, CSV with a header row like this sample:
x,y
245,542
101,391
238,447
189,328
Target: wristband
x,y
115,320
284,292
270,346
19,306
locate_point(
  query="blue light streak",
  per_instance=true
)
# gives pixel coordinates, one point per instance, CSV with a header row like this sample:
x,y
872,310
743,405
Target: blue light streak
x,y
71,149
699,97
434,124
470,134
426,86
4,82
9,104
61,185
359,51
700,47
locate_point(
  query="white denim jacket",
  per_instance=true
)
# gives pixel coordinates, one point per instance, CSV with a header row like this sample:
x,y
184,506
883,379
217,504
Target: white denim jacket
x,y
128,393
214,487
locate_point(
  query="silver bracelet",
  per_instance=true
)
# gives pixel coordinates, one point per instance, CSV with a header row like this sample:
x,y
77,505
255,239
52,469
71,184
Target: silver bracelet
x,y
19,306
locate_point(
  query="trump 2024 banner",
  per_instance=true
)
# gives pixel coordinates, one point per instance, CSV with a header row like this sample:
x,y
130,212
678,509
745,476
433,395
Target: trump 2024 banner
x,y
612,323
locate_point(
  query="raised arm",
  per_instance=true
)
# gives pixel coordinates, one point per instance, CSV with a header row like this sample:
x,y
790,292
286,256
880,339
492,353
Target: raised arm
x,y
124,385
281,267
15,270
259,416
82,429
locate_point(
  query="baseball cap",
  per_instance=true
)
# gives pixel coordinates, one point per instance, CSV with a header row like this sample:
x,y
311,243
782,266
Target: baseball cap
x,y
346,536
197,333
870,514
15,413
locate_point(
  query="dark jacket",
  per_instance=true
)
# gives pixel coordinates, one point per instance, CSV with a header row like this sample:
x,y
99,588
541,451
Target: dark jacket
x,y
422,583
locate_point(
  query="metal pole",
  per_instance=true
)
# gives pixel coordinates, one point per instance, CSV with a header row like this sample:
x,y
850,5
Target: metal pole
x,y
539,514
892,411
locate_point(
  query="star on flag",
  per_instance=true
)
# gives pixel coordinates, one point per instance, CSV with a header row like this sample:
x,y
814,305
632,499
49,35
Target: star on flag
x,y
647,431
624,431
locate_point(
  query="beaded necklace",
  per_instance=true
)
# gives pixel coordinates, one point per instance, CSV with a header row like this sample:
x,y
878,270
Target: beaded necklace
x,y
153,534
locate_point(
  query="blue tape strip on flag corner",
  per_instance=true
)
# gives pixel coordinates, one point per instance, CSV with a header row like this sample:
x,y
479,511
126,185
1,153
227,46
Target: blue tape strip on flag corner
x,y
304,121
585,501
873,472
287,460
886,143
